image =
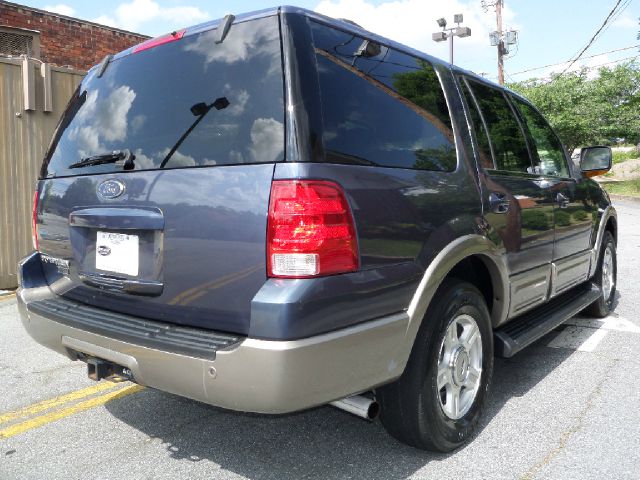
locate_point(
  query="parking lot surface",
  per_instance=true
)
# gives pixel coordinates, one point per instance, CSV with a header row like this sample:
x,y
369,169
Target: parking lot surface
x,y
565,408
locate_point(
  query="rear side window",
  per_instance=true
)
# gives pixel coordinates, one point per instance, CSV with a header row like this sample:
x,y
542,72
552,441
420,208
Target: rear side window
x,y
548,152
159,105
380,106
507,139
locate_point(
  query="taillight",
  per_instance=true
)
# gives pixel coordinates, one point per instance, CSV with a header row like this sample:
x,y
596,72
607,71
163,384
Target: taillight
x,y
310,230
34,221
154,42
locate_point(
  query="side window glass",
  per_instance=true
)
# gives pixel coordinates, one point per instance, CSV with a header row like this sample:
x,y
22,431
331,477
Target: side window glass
x,y
552,160
484,149
508,141
380,106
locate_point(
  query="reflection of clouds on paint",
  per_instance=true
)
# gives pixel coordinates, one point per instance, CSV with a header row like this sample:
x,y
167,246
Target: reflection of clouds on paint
x,y
102,120
266,140
242,43
240,188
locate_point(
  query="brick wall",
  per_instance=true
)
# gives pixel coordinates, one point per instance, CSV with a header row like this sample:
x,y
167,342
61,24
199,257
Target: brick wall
x,y
66,41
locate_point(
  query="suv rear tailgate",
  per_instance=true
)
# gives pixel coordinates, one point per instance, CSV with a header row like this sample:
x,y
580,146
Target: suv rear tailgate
x,y
180,236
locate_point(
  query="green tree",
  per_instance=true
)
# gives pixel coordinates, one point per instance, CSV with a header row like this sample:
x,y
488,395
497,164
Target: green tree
x,y
586,111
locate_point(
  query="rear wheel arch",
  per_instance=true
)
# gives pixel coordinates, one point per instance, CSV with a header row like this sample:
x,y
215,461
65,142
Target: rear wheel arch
x,y
481,271
474,254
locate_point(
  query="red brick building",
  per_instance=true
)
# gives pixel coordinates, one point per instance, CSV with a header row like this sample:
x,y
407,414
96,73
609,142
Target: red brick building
x,y
58,39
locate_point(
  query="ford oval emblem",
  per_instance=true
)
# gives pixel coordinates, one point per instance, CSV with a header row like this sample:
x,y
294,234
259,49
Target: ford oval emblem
x,y
104,250
111,189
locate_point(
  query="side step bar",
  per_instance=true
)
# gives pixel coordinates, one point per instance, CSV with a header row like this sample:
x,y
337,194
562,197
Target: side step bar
x,y
531,326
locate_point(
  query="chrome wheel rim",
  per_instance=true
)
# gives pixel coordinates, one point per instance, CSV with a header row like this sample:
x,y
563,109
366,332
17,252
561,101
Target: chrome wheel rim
x,y
459,366
607,273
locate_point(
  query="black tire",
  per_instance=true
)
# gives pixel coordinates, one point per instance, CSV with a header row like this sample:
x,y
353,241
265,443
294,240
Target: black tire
x,y
604,304
412,409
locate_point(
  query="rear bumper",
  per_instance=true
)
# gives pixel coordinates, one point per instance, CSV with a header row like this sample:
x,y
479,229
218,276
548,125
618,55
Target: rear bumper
x,y
260,376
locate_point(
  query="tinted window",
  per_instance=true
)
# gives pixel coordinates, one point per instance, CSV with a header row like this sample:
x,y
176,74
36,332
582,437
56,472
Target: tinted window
x,y
484,149
548,152
380,106
149,101
507,139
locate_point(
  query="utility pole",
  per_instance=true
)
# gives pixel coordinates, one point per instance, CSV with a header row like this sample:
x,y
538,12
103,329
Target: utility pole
x,y
500,38
500,43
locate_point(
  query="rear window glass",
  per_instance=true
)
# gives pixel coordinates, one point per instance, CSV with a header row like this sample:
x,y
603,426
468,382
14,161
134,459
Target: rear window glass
x,y
160,104
381,106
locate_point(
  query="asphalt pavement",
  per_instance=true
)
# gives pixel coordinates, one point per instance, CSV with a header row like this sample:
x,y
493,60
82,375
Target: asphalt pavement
x,y
568,407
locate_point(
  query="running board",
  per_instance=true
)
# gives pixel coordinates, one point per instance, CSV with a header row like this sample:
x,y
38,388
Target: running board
x,y
533,325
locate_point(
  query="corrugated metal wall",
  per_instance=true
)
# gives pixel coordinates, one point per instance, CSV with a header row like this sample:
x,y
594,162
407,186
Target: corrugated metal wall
x,y
23,141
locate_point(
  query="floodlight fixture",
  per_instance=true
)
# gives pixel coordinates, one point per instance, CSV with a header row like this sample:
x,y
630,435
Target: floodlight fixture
x,y
439,36
463,32
442,22
457,18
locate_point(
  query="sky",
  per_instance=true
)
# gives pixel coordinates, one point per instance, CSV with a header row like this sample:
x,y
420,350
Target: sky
x,y
549,31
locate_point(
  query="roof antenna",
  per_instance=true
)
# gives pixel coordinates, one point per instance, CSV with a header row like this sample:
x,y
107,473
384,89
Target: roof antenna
x,y
223,27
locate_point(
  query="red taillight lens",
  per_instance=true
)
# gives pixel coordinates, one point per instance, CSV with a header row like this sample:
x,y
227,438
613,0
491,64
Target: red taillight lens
x,y
34,221
154,42
310,230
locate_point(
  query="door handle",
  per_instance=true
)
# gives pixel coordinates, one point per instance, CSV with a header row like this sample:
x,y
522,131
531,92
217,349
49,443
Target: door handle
x,y
498,202
563,200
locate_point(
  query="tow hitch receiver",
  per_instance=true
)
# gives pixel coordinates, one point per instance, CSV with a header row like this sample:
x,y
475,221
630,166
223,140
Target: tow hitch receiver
x,y
97,369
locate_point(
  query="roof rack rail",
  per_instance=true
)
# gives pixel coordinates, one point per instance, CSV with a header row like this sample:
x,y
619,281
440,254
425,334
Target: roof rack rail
x,y
346,20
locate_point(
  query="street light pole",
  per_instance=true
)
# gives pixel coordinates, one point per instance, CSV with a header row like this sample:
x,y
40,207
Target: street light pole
x,y
449,33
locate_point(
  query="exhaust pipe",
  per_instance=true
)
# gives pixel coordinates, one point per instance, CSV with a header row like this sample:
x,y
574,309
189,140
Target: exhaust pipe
x,y
358,405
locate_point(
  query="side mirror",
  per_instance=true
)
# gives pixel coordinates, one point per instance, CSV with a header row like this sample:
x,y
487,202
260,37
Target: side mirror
x,y
595,161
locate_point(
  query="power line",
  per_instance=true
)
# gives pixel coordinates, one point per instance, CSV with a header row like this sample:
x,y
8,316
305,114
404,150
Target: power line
x,y
633,57
617,15
613,61
606,20
585,58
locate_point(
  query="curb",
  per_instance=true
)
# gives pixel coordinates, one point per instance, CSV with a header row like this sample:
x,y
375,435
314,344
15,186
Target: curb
x,y
626,198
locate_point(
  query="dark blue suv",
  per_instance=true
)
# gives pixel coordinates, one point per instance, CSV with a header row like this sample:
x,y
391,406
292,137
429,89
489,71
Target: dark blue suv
x,y
280,210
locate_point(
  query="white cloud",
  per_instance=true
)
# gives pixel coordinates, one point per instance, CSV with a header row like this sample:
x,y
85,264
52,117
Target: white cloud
x,y
412,22
626,20
177,159
60,8
134,14
266,140
253,42
102,120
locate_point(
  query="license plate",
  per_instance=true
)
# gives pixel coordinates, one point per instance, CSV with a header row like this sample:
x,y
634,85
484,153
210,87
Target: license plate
x,y
117,252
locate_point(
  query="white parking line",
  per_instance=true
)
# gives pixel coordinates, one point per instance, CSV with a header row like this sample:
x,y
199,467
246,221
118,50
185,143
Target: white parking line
x,y
584,334
612,322
584,339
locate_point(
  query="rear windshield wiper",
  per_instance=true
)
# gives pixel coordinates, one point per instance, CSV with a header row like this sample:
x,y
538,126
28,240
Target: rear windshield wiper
x,y
120,157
